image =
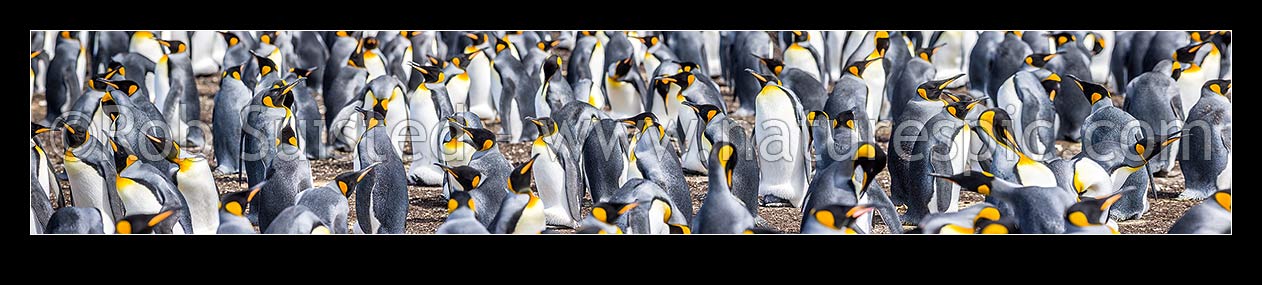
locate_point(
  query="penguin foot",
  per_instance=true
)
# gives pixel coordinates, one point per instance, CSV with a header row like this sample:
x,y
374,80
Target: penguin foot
x,y
1189,195
773,201
221,170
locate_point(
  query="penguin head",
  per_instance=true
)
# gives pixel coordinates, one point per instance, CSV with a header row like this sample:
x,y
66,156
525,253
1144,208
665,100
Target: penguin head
x,y
1094,92
932,90
114,68
460,199
480,139
477,38
236,202
679,229
1092,211
231,38
466,177
685,78
960,109
764,79
122,158
173,47
1199,36
687,66
371,43
644,122
1051,84
1062,38
348,181
170,149
266,65
462,61
75,133
372,117
1096,41
609,212
142,223
547,126
972,180
649,41
1039,59
1216,86
303,72
436,62
799,36
1192,55
882,44
551,66
69,35
501,44
281,96
1147,147
774,65
356,60
928,52
725,153
429,74
998,124
839,217
126,86
547,45
233,72
706,112
871,158
844,119
268,37
288,135
995,227
857,68
620,69
817,118
1223,199
519,180
38,129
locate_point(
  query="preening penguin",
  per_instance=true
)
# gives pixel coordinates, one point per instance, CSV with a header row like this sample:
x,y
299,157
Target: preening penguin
x,y
605,218
1038,210
1091,216
834,219
160,222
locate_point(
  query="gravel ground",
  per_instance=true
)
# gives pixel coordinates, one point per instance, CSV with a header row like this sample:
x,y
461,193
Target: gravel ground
x,y
429,209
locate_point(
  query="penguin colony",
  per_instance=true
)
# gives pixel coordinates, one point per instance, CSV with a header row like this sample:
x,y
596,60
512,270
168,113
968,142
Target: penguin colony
x,y
614,122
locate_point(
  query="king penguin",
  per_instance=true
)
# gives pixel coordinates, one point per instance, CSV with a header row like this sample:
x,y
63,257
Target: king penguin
x,y
287,174
522,211
835,219
721,212
195,182
1038,210
297,219
91,171
850,93
745,177
587,61
226,120
427,121
804,56
1091,216
232,208
461,217
386,93
479,71
182,105
658,161
62,80
605,218
1210,217
159,222
785,171
79,220
1153,99
382,205
342,87
556,174
964,221
329,202
746,88
605,160
1206,155
625,89
260,130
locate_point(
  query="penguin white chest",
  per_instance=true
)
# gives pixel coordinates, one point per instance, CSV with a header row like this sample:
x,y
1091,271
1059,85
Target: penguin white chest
x,y
1009,101
597,65
137,199
1091,179
87,187
161,82
197,185
542,109
1033,173
458,92
1190,83
779,138
374,64
549,176
874,77
479,71
657,218
624,100
532,220
799,57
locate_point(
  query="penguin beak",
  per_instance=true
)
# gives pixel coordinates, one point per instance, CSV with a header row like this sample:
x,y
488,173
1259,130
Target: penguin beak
x,y
1108,202
366,170
943,84
858,211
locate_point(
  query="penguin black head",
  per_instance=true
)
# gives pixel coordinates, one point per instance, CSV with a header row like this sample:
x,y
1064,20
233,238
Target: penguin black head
x,y
547,45
1092,211
1217,86
38,129
288,135
236,202
816,119
882,40
621,68
371,43
1199,36
1191,54
268,37
1147,147
551,66
706,112
233,72
372,117
127,86
649,41
928,52
582,34
764,79
462,61
644,121
303,72
684,79
436,62
972,180
519,180
958,109
348,181
122,158
997,123
75,133
1223,199
995,227
69,35
840,217
857,68
932,90
1098,44
478,38
281,96
429,74
501,44
113,68
458,199
168,147
357,56
871,158
1094,92
266,65
845,119
231,38
774,65
725,154
1062,38
409,34
480,139
679,229
1051,84
142,223
546,126
467,177
609,212
1039,59
687,66
174,47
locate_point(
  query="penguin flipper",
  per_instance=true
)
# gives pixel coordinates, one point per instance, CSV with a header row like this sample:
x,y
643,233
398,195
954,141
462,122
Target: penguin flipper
x,y
886,209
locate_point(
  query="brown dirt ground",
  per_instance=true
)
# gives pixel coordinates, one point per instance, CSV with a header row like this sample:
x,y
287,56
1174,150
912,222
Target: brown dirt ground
x,y
429,209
